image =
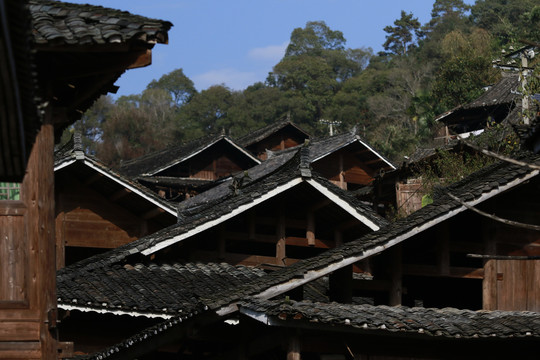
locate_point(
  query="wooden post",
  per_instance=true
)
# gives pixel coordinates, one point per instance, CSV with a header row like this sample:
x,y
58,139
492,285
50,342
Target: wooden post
x,y
338,237
443,249
310,228
342,183
294,348
489,282
221,242
280,246
341,285
396,289
38,193
251,225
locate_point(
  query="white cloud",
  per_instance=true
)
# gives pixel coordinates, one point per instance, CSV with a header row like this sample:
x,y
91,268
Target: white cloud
x,y
232,78
270,53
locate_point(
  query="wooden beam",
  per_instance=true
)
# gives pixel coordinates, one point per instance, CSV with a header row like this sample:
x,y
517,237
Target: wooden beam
x,y
92,179
119,194
240,259
454,271
319,205
152,213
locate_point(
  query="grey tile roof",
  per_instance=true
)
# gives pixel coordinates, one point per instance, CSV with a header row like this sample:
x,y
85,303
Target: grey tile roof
x,y
165,289
318,148
479,186
264,132
154,162
58,23
502,93
447,322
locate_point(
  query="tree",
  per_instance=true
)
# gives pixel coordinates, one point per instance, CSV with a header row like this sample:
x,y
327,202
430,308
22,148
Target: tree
x,y
90,126
206,113
179,86
136,125
315,38
401,37
445,9
506,20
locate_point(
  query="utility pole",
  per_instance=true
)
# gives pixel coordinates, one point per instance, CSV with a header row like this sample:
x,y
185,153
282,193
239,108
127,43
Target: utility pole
x,y
331,125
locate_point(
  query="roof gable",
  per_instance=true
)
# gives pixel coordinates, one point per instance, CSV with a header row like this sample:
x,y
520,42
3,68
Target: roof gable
x,y
154,163
72,158
263,133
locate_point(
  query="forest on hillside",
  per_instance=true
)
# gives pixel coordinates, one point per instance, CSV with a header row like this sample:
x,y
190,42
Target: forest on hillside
x,y
390,98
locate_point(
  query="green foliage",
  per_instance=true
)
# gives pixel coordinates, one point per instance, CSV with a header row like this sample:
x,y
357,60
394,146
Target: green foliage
x,y
314,39
179,86
449,167
461,79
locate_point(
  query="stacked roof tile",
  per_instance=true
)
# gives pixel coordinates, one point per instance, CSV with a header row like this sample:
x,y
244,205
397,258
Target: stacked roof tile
x,y
57,23
161,290
447,322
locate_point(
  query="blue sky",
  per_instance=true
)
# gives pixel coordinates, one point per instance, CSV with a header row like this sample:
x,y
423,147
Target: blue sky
x,y
237,42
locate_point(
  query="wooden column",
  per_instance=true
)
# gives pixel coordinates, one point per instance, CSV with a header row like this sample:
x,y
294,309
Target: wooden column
x,y
294,347
221,242
396,289
443,249
310,228
489,282
341,285
38,193
251,225
342,183
280,245
338,237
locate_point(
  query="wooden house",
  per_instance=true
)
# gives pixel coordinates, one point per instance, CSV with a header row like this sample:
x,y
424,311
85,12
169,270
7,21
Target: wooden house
x,y
73,55
456,279
183,171
282,213
280,135
493,106
348,161
98,209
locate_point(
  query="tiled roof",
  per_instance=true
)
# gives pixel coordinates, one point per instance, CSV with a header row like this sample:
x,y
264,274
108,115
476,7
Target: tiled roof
x,y
58,23
255,173
264,132
502,93
157,161
325,146
474,189
318,148
156,290
447,322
